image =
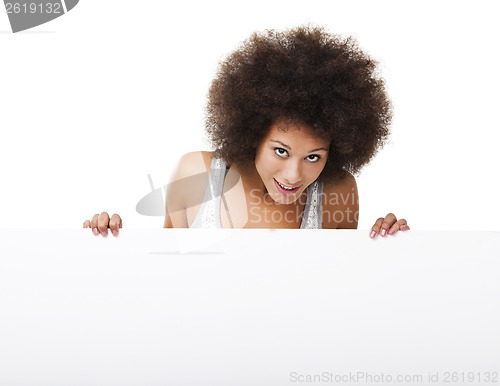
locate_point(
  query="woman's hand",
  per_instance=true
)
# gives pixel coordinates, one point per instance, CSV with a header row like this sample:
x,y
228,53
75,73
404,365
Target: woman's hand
x,y
388,225
101,222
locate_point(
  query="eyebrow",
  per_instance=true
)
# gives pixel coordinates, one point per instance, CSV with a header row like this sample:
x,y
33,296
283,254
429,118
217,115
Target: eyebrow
x,y
289,148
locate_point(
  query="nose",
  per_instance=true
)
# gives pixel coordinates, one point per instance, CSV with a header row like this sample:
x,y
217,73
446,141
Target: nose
x,y
292,173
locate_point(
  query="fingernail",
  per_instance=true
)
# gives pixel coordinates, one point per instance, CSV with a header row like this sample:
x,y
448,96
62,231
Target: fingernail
x,y
384,232
94,230
115,233
104,234
391,232
373,234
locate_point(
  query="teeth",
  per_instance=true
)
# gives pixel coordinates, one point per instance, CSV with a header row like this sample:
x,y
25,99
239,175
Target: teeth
x,y
284,187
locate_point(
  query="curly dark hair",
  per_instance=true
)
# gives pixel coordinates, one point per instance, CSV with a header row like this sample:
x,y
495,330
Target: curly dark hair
x,y
306,75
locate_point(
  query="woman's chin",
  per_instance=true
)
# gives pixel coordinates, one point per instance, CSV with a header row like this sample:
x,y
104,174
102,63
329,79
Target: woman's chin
x,y
282,199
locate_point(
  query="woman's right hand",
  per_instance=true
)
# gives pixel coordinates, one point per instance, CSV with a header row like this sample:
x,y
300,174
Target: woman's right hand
x,y
101,222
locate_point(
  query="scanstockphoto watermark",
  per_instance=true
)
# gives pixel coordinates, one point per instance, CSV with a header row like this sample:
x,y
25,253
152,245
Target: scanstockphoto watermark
x,y
353,377
365,377
260,205
344,207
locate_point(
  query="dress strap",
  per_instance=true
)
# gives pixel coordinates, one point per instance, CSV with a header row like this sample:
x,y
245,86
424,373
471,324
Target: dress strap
x,y
312,217
209,214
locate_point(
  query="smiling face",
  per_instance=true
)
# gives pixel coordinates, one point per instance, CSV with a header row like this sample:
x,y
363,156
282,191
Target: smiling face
x,y
289,159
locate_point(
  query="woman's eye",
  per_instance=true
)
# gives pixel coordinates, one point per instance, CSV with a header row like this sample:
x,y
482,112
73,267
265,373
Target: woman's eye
x,y
280,152
315,159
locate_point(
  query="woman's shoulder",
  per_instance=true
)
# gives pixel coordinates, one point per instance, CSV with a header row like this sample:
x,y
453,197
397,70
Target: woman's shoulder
x,y
190,177
193,163
346,183
186,188
340,203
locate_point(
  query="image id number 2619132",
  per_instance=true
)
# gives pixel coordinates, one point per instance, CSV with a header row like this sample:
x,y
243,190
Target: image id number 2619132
x,y
470,377
33,8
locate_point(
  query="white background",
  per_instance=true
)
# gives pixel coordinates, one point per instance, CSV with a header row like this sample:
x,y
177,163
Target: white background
x,y
93,101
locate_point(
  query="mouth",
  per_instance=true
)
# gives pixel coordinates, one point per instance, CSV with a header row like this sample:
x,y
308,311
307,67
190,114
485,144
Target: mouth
x,y
285,189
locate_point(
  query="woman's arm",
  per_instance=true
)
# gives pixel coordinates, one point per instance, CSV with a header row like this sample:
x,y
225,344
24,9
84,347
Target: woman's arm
x,y
184,194
186,188
175,204
340,204
341,210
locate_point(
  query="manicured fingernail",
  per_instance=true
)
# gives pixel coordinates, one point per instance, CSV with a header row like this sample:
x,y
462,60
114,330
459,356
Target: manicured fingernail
x,y
104,234
115,233
94,230
392,231
373,234
384,232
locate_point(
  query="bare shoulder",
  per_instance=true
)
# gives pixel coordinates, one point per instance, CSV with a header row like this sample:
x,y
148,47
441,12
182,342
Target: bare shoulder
x,y
186,188
340,203
344,185
190,178
193,163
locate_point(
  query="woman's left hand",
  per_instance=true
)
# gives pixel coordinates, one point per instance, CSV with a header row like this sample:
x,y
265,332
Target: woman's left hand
x,y
388,225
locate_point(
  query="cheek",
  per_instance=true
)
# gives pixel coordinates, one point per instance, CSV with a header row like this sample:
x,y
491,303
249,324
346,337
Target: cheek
x,y
267,166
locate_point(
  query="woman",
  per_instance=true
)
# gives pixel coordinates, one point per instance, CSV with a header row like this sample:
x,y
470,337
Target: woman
x,y
292,116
